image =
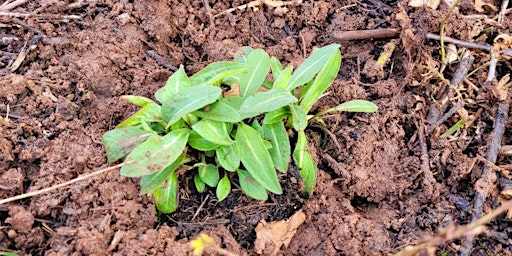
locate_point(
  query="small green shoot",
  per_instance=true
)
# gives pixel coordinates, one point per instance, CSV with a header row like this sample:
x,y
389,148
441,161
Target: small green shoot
x,y
240,135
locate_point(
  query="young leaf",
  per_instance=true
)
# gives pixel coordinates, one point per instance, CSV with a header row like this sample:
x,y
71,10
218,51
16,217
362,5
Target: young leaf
x,y
312,92
196,141
150,182
213,131
257,127
137,100
155,153
255,157
283,78
300,148
209,174
120,141
215,72
299,117
223,188
276,67
176,81
200,185
166,196
250,186
312,65
308,172
280,150
263,102
242,54
276,115
220,111
251,79
352,106
188,99
227,158
149,113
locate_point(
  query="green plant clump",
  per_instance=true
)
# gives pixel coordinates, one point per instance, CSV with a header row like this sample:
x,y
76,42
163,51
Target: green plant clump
x,y
223,134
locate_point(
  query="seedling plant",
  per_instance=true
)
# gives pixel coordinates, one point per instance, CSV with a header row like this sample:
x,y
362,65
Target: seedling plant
x,y
227,122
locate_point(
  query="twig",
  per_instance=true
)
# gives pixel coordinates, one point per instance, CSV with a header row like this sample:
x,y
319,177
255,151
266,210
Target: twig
x,y
453,232
9,6
429,182
208,12
67,183
445,117
200,207
26,15
504,5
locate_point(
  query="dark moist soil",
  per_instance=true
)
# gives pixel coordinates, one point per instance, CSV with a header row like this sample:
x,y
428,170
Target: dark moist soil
x,y
371,197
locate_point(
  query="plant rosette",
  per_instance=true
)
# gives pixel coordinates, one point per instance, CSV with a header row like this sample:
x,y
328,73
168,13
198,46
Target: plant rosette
x,y
221,136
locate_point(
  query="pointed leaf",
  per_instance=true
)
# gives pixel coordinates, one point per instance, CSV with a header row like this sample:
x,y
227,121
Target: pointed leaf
x,y
149,113
250,186
312,92
188,99
223,188
308,172
220,111
166,196
263,102
311,66
137,100
227,157
276,115
215,72
300,148
209,174
196,141
280,151
276,67
176,81
354,106
150,182
283,78
242,54
255,157
299,117
213,131
120,141
251,79
200,185
155,153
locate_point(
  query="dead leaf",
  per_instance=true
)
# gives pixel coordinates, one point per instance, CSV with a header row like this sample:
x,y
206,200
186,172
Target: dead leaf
x,y
481,6
500,91
432,4
271,236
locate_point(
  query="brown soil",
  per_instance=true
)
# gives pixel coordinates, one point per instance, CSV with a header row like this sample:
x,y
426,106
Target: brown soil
x,y
371,197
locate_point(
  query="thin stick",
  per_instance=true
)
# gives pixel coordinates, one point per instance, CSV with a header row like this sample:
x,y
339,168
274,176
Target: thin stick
x,y
9,6
67,183
54,17
429,182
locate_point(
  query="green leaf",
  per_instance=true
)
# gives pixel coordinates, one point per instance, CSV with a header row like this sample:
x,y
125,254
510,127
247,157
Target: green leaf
x,y
251,79
149,113
283,78
155,153
276,115
150,182
234,101
166,196
223,188
257,127
227,157
119,142
209,174
213,131
200,185
311,66
250,186
176,81
137,100
263,102
300,148
352,106
276,67
220,111
280,151
215,72
312,92
299,117
242,54
308,173
255,157
187,100
196,141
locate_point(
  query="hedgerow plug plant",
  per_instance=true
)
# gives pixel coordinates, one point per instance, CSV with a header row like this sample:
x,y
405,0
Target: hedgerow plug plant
x,y
198,128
